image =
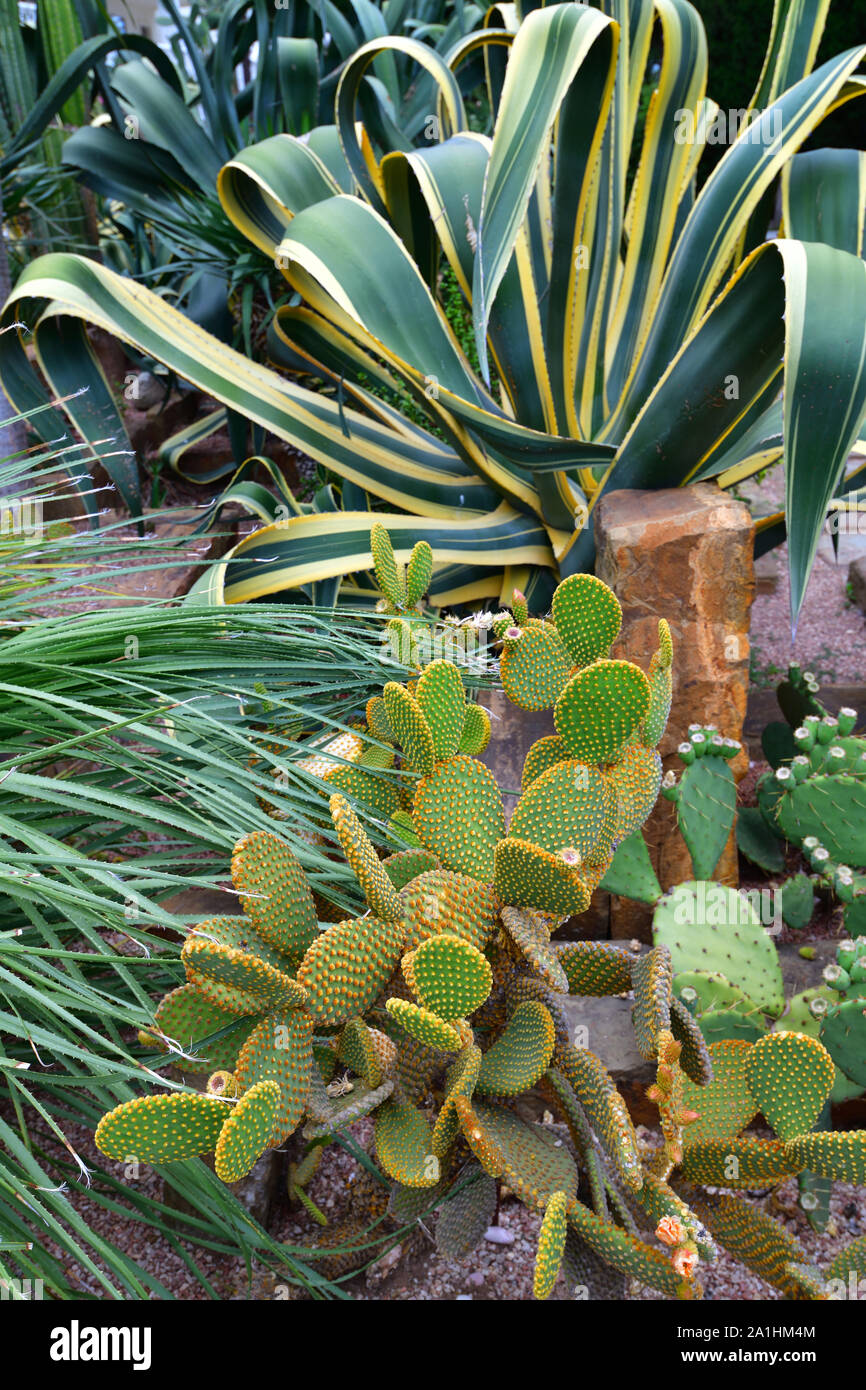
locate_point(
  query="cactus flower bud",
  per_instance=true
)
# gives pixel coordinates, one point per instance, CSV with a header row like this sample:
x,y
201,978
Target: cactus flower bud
x,y
836,977
847,720
858,971
686,752
846,953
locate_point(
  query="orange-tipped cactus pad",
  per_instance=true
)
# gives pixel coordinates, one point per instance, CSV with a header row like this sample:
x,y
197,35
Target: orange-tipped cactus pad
x,y
535,665
588,617
186,1017
280,1049
161,1128
449,975
458,815
347,967
527,876
274,893
247,1131
600,708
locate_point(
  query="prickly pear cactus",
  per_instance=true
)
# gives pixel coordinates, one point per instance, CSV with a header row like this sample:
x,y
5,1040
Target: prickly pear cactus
x,y
444,1002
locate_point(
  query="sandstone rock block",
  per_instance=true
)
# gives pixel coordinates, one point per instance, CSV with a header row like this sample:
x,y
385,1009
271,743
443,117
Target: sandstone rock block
x,y
684,554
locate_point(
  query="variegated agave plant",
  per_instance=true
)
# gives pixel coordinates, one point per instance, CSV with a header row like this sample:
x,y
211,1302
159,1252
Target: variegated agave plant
x,y
625,333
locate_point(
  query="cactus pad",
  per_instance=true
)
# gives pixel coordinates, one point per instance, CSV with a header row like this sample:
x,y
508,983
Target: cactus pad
x,y
466,1216
442,701
475,735
718,926
652,979
526,876
247,1131
225,997
726,1105
535,667
634,782
377,720
544,754
461,1081
389,574
378,794
706,807
427,1027
442,901
526,1156
606,1110
364,862
362,1052
185,1016
745,1162
280,1048
844,1036
563,807
551,1245
790,1075
448,975
695,1058
411,729
407,864
837,1154
403,1145
458,816
588,617
419,572
755,1239
530,933
661,689
595,968
274,893
348,966
239,969
832,808
161,1128
625,1252
707,992
600,708
521,1056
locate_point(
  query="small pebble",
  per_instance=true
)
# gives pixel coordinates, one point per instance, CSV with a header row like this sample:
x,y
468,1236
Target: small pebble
x,y
464,1298
497,1235
477,1279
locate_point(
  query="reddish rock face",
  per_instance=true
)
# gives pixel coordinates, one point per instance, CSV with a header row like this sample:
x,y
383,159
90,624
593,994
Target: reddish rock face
x,y
684,554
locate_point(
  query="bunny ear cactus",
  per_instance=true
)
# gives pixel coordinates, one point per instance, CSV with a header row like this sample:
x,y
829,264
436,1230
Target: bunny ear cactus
x,y
444,1003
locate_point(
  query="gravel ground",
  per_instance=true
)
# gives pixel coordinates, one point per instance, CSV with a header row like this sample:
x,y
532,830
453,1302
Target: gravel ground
x,y
414,1271
831,632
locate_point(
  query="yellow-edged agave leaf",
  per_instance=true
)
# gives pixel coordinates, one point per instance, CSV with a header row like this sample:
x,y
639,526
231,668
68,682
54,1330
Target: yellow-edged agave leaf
x,y
307,549
641,331
263,209
824,198
450,100
546,55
